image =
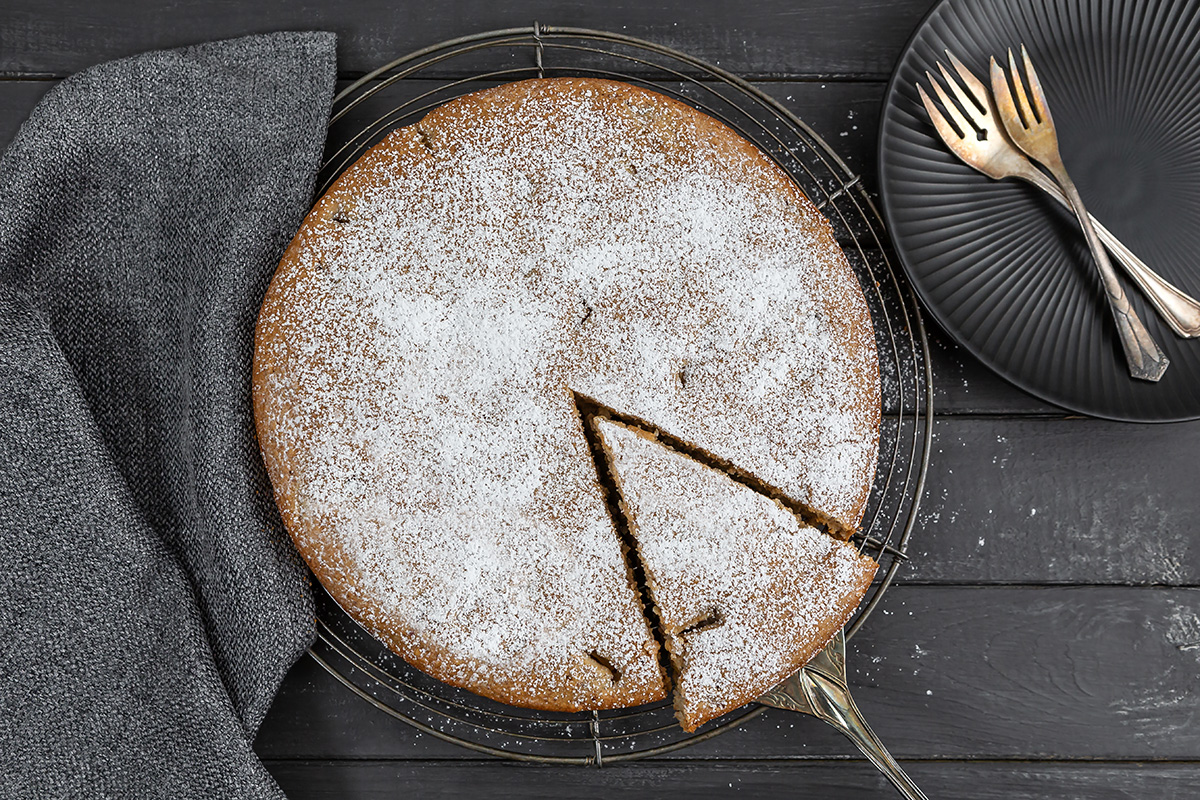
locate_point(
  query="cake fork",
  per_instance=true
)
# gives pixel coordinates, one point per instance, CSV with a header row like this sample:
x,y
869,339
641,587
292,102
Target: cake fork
x,y
820,689
997,157
1031,128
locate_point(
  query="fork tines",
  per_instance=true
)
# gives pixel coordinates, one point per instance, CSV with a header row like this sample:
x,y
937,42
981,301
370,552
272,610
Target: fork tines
x,y
971,114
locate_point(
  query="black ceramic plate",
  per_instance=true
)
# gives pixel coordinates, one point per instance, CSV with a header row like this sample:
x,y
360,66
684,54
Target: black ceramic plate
x,y
1003,268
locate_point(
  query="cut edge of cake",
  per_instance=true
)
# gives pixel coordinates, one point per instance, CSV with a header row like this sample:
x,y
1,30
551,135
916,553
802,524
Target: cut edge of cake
x,y
590,409
692,710
587,413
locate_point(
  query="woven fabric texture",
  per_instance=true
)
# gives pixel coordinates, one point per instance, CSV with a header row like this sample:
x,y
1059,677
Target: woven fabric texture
x,y
151,600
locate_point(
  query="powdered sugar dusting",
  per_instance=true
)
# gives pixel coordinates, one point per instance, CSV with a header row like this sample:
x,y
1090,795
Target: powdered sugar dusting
x,y
712,546
420,344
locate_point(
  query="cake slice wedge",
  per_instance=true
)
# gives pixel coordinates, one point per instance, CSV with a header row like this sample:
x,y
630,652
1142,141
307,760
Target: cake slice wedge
x,y
744,591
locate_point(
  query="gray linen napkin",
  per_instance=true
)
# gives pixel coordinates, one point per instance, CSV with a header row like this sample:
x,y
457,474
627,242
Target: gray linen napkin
x,y
150,602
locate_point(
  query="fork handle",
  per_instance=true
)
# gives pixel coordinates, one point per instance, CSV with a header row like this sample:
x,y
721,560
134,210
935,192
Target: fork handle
x,y
1145,358
1180,310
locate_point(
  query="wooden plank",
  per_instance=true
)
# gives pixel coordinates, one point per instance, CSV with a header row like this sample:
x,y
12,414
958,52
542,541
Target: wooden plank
x,y
844,113
845,780
940,672
17,99
1052,501
779,38
964,385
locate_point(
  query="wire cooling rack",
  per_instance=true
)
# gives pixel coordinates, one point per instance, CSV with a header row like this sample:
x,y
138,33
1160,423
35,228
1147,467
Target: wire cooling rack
x,y
401,93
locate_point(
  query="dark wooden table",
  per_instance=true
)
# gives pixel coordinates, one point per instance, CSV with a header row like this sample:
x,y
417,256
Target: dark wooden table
x,y
1044,640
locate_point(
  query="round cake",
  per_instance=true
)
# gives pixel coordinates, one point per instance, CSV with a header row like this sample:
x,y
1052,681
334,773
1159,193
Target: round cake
x,y
467,299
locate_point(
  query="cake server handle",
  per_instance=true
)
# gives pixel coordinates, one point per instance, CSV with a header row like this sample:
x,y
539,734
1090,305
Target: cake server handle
x,y
820,689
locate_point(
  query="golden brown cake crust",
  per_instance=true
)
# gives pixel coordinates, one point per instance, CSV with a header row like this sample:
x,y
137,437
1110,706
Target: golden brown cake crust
x,y
419,347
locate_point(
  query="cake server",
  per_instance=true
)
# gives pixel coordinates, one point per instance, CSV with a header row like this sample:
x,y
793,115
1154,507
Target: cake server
x,y
820,689
996,156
